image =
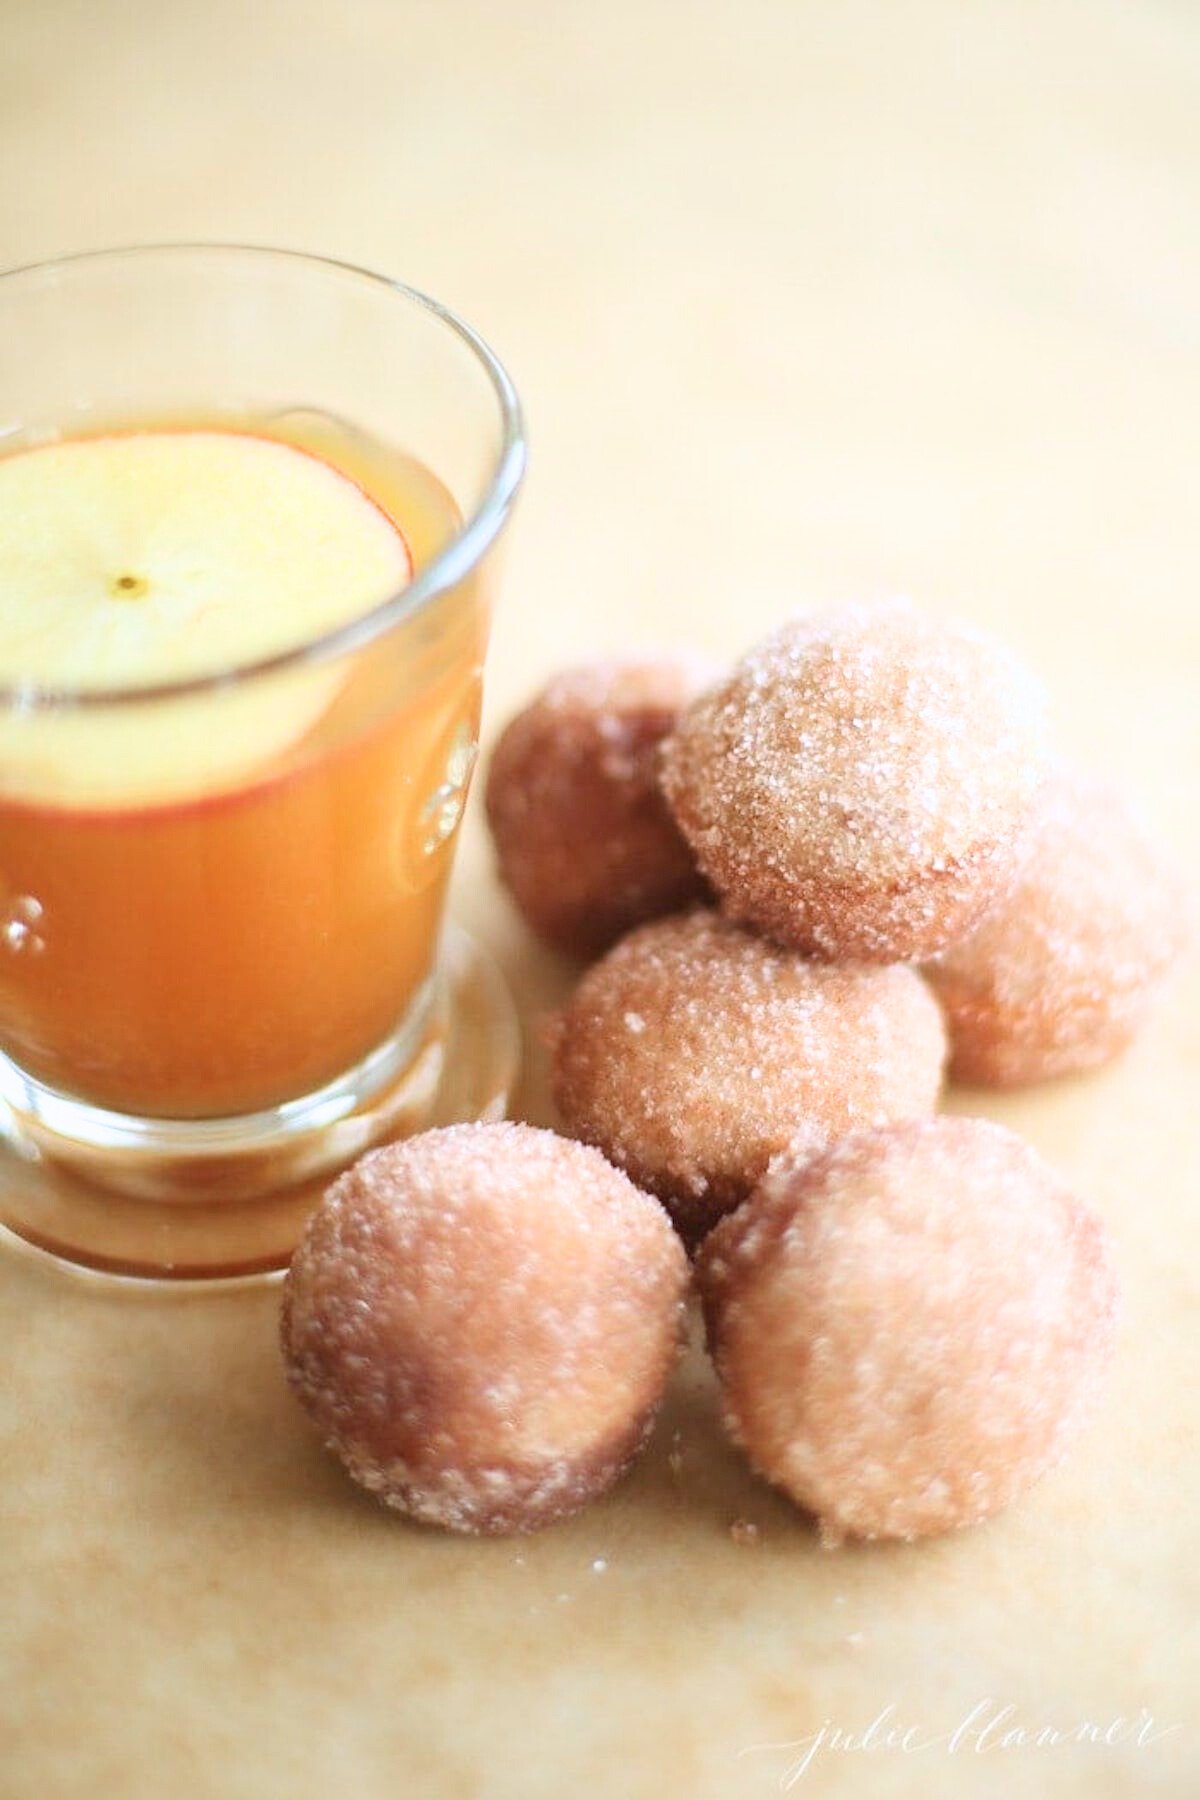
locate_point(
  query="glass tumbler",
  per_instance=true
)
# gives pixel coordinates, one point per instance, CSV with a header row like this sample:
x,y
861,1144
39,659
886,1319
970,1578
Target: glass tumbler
x,y
225,968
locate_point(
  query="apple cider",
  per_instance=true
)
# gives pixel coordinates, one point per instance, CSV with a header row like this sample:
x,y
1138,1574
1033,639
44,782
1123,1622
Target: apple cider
x,y
229,895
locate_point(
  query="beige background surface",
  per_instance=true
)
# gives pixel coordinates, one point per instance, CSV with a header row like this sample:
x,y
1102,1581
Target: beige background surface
x,y
805,300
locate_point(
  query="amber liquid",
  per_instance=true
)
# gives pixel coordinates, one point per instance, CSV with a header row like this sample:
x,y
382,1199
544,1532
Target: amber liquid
x,y
227,950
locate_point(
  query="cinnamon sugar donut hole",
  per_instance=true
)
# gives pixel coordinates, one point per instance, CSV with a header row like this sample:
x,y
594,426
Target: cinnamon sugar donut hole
x,y
695,1051
481,1322
586,844
1063,973
861,784
908,1329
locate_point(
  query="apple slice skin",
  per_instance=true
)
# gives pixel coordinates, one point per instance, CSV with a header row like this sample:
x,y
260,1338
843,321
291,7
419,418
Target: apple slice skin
x,y
158,556
161,753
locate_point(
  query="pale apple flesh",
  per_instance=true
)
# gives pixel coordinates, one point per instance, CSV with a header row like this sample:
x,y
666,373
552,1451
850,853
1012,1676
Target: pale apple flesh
x,y
145,557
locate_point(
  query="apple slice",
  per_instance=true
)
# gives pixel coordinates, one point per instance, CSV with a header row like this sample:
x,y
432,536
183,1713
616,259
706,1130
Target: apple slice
x,y
153,556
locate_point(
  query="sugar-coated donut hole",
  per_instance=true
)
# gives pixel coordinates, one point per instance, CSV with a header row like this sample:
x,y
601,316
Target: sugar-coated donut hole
x,y
1062,974
481,1322
908,1315
908,1328
695,1051
585,842
861,785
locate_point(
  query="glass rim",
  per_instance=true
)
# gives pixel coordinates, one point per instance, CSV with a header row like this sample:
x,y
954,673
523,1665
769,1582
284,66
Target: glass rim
x,y
443,571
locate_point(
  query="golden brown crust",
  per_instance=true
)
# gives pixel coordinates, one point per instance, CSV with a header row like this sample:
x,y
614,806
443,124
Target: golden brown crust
x,y
908,1329
586,844
696,1051
519,1499
481,1322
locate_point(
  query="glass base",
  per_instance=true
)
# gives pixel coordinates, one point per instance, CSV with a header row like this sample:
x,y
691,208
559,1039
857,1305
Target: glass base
x,y
222,1200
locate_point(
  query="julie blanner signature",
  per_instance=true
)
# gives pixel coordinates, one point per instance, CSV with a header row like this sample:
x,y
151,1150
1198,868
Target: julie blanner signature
x,y
989,1728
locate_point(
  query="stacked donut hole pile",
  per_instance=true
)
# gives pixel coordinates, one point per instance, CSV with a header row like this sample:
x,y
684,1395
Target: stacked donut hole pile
x,y
809,883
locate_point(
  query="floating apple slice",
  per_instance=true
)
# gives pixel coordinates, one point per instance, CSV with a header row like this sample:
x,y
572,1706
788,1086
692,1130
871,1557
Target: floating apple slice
x,y
154,556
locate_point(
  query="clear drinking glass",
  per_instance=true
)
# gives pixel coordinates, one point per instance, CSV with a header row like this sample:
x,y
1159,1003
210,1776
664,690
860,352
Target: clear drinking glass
x,y
223,964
